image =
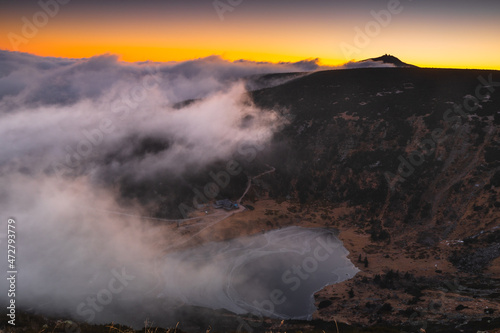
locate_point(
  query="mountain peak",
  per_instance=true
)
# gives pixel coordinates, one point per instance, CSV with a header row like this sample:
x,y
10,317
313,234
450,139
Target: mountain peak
x,y
390,59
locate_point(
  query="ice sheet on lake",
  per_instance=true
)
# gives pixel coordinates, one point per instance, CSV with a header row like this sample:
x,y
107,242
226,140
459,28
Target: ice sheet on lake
x,y
273,274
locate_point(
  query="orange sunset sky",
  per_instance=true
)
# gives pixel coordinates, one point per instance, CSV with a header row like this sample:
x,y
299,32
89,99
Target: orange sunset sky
x,y
458,34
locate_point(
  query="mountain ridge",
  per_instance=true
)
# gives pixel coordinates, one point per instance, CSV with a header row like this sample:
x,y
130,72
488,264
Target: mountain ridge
x,y
390,59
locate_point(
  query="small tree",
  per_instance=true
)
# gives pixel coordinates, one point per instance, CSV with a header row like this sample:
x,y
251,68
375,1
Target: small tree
x,y
366,261
351,293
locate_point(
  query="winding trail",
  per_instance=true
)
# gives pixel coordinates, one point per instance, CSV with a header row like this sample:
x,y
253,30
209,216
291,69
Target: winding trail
x,y
250,181
223,215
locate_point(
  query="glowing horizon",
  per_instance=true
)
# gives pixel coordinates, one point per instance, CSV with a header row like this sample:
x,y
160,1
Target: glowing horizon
x,y
424,34
132,57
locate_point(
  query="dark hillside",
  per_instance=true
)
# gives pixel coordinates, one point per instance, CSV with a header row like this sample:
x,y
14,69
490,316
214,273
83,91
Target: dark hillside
x,y
350,130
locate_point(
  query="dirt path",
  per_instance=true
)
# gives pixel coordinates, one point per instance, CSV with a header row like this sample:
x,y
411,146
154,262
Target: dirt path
x,y
223,216
250,181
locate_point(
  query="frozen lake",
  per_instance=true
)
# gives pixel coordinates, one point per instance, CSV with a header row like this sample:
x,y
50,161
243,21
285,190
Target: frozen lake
x,y
274,274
